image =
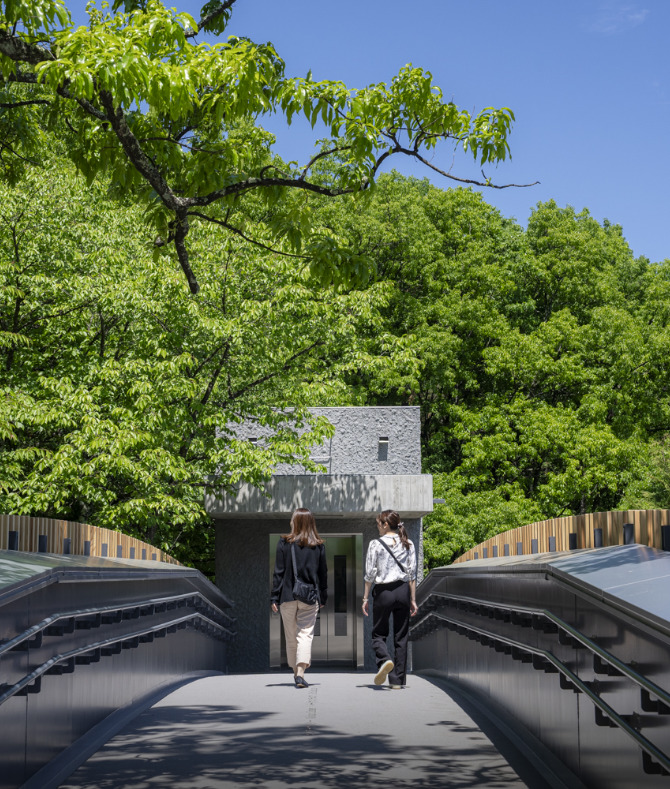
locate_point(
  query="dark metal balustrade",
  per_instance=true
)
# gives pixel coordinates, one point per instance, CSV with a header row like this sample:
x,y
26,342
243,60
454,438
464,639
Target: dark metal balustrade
x,y
83,638
491,628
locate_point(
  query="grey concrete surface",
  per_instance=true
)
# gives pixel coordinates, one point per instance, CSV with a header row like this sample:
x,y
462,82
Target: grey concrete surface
x,y
343,495
258,730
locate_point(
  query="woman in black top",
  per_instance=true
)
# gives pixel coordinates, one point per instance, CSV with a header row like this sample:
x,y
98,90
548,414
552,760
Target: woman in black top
x,y
299,618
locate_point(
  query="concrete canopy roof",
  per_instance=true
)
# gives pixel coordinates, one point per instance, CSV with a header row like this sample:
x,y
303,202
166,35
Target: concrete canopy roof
x,y
328,494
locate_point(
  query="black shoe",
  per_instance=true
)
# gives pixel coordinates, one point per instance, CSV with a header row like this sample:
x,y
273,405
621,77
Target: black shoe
x,y
301,682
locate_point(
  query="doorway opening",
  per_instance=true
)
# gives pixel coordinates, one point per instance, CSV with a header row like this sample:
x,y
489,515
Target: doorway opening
x,y
338,635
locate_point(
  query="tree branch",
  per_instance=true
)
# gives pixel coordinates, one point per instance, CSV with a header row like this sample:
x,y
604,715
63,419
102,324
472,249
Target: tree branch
x,y
12,104
21,51
238,232
417,155
181,231
255,183
225,5
284,368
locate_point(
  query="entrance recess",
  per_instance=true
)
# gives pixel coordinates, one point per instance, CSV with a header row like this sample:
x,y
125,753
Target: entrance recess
x,y
338,636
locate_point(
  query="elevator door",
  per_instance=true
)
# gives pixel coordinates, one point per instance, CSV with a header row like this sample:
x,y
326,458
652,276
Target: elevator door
x,y
338,633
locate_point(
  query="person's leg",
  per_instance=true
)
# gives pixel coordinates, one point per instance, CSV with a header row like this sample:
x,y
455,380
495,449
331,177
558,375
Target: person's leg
x,y
400,635
305,621
288,613
381,612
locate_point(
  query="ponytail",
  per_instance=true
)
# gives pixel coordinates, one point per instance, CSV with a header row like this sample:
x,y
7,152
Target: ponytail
x,y
404,539
392,518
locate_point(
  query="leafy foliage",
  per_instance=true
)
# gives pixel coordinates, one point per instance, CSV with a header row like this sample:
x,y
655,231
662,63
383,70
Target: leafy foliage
x,y
543,373
178,123
120,394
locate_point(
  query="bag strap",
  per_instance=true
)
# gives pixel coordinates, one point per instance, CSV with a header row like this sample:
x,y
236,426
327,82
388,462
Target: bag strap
x,y
295,566
404,569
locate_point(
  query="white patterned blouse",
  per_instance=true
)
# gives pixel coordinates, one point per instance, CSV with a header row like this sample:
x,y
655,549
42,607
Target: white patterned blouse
x,y
379,564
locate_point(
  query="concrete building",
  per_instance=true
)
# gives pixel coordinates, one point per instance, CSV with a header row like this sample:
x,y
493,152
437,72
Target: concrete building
x,y
373,463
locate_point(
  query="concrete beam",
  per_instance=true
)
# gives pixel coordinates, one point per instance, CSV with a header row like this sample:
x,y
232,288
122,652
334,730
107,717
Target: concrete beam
x,y
328,494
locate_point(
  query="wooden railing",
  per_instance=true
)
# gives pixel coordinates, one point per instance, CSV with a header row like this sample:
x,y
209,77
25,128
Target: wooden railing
x,y
594,530
33,535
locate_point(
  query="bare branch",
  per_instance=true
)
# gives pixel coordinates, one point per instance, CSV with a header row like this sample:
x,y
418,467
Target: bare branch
x,y
255,183
21,51
416,155
210,17
181,231
138,158
11,105
321,155
284,368
7,146
237,231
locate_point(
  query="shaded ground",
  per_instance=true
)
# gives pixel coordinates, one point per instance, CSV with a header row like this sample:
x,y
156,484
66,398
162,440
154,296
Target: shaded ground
x,y
259,730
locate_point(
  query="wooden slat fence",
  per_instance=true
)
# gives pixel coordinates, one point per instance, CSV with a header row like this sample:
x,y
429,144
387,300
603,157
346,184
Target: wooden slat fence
x,y
56,536
592,530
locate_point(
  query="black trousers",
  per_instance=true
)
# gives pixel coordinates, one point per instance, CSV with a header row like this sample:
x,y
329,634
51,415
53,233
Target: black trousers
x,y
390,599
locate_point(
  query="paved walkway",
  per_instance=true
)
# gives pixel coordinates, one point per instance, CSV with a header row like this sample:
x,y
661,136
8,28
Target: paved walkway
x,y
260,731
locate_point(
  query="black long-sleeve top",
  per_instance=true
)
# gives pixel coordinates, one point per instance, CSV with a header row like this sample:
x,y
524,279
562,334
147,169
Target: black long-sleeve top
x,y
311,565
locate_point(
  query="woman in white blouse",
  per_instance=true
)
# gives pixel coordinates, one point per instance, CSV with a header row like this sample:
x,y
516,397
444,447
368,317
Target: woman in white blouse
x,y
391,565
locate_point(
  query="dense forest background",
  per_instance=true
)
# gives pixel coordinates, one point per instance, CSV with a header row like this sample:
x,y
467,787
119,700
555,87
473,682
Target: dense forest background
x,y
164,275
538,357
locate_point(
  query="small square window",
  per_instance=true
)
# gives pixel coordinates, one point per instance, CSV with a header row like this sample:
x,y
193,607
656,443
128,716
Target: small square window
x,y
383,448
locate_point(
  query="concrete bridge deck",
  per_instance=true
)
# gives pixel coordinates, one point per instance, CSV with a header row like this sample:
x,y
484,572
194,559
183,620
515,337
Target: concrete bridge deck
x,y
258,730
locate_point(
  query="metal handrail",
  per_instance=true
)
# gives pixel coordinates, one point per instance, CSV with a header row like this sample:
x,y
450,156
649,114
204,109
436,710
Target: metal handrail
x,y
633,675
609,712
32,631
34,675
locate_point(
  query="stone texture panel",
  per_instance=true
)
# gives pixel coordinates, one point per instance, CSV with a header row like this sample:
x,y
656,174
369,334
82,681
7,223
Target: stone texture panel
x,y
354,449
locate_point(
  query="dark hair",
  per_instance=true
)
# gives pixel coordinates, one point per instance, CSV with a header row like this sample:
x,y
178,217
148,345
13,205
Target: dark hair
x,y
303,529
392,518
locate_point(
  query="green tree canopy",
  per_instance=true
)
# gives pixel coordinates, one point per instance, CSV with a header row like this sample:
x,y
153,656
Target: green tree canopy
x,y
543,374
177,122
120,394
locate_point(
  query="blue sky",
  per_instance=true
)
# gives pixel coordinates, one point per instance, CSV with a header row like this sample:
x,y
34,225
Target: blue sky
x,y
588,81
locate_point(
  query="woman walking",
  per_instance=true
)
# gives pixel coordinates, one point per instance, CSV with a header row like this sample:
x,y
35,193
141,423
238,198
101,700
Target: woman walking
x,y
304,550
391,564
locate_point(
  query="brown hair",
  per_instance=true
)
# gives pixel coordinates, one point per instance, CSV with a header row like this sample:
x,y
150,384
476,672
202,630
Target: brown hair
x,y
392,518
303,529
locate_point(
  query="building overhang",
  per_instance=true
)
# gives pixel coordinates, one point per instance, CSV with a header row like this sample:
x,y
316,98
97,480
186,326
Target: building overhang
x,y
333,495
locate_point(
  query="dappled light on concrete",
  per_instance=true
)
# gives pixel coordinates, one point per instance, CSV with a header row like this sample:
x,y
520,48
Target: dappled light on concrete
x,y
259,730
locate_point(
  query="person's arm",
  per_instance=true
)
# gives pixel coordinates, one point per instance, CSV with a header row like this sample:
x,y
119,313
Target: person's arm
x,y
413,607
366,596
278,577
370,573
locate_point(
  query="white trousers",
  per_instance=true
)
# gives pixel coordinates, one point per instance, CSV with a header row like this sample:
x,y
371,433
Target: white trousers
x,y
299,620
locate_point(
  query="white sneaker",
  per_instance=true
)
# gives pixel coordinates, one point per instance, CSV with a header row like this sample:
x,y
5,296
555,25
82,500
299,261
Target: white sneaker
x,y
395,687
384,670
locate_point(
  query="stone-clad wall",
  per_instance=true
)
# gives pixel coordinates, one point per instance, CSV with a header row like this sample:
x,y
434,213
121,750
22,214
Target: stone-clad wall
x,y
354,449
243,571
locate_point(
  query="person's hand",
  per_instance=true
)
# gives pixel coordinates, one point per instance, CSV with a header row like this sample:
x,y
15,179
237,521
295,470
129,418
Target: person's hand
x,y
365,607
274,607
413,608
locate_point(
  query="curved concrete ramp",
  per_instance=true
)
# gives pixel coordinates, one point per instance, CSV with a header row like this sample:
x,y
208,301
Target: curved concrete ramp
x,y
259,730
